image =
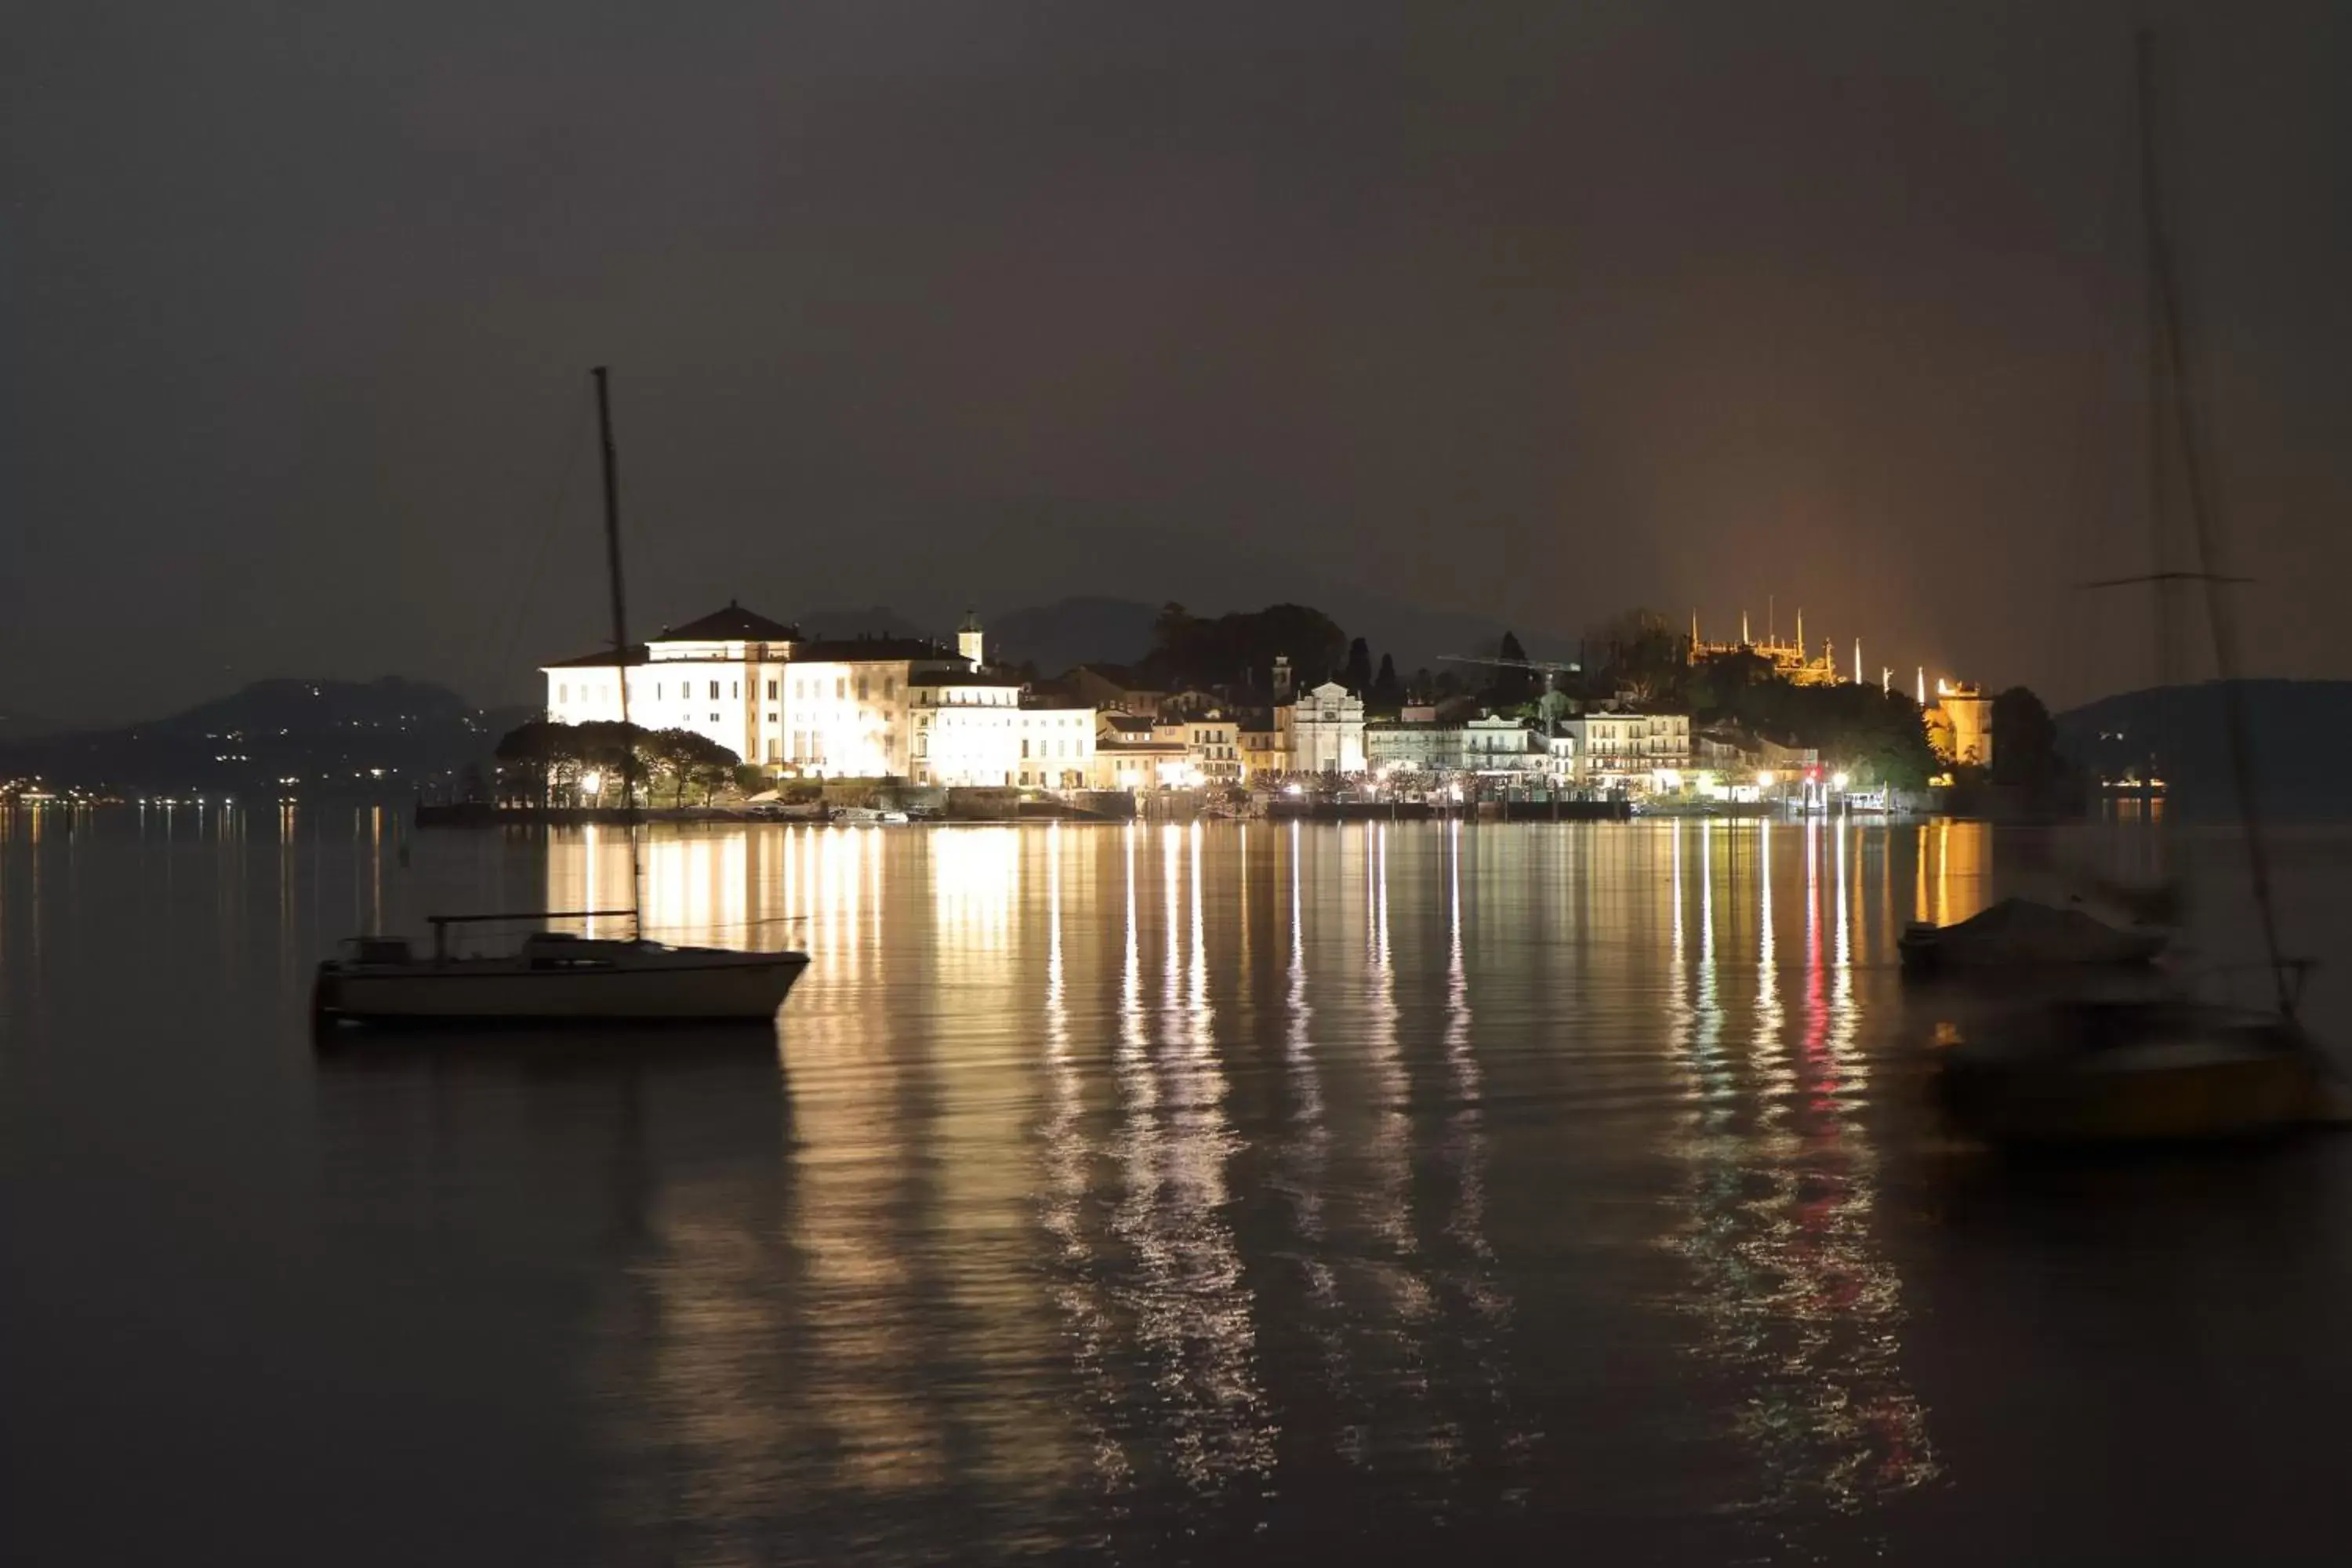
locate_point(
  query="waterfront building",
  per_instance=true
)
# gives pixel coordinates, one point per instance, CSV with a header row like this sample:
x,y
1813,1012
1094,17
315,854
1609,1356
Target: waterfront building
x,y
1138,764
1627,753
1493,745
1212,745
843,707
1265,755
971,729
1411,745
718,676
1323,731
1489,744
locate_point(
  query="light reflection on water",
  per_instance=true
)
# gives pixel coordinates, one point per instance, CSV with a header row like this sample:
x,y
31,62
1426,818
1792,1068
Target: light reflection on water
x,y
1136,1327
1795,1298
1178,1190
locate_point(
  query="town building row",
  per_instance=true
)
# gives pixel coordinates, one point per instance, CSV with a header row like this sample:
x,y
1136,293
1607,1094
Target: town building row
x,y
935,715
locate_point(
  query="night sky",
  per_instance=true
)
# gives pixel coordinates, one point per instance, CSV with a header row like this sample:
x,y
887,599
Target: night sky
x,y
1539,312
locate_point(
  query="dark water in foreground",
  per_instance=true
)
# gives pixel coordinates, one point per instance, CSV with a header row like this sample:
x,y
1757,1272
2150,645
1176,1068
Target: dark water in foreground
x,y
1212,1195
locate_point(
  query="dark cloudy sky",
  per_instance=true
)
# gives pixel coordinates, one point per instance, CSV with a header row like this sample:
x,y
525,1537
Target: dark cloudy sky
x,y
1538,311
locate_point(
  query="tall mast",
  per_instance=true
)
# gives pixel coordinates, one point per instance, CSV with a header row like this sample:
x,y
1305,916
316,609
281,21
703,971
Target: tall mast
x,y
2175,348
620,636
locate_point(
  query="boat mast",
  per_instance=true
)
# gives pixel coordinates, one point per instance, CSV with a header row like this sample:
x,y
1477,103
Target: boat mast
x,y
2174,348
620,638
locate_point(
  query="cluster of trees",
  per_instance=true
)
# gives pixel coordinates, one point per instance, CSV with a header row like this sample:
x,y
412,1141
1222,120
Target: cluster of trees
x,y
2025,743
545,763
1879,736
1238,650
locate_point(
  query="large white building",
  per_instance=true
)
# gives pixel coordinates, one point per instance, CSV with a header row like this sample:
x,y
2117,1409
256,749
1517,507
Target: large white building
x,y
848,706
1323,732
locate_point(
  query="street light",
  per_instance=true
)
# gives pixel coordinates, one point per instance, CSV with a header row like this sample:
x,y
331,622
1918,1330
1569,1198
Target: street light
x,y
1764,778
1838,782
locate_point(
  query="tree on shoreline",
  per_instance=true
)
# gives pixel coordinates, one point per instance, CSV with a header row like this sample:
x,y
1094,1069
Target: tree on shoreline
x,y
540,760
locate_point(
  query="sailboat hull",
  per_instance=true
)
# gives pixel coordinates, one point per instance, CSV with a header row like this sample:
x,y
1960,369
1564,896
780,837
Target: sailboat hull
x,y
2018,933
2108,1075
662,985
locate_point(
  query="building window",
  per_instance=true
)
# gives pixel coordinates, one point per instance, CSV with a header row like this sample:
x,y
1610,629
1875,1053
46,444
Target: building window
x,y
1025,752
771,694
840,687
714,718
861,689
714,692
734,689
563,692
889,686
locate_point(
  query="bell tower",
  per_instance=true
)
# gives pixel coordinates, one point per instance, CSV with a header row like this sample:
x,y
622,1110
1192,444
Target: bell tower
x,y
969,642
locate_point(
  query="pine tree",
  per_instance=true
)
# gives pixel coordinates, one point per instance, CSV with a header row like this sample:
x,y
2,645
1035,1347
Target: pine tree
x,y
1511,686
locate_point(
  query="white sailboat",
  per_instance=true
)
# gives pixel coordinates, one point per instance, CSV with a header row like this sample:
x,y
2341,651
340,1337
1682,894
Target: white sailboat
x,y
552,976
2171,1067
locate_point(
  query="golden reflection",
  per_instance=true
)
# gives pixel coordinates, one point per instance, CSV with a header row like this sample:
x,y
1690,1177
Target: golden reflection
x,y
1486,1304
975,879
1087,1311
1718,1085
1396,1330
1921,908
1770,1047
1392,1203
1944,871
1310,1143
1796,1303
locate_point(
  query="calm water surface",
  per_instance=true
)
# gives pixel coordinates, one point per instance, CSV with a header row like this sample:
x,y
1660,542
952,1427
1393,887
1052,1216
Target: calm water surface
x,y
1164,1193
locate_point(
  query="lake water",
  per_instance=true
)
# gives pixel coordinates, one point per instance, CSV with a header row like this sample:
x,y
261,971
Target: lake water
x,y
1208,1193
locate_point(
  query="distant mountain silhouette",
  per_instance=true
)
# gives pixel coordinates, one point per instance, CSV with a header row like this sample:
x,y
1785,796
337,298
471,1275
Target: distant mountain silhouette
x,y
373,738
2301,745
877,620
1071,632
16,725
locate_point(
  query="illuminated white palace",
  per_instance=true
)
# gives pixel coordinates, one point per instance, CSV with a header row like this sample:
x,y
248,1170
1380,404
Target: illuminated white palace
x,y
844,707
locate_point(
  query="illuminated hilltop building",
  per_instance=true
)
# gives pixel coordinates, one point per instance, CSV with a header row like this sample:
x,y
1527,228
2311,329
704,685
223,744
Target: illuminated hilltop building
x,y
1959,723
1790,660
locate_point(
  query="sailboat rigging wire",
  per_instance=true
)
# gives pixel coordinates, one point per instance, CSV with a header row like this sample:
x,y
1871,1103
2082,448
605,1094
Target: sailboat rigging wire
x,y
733,925
510,619
2160,577
2177,327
